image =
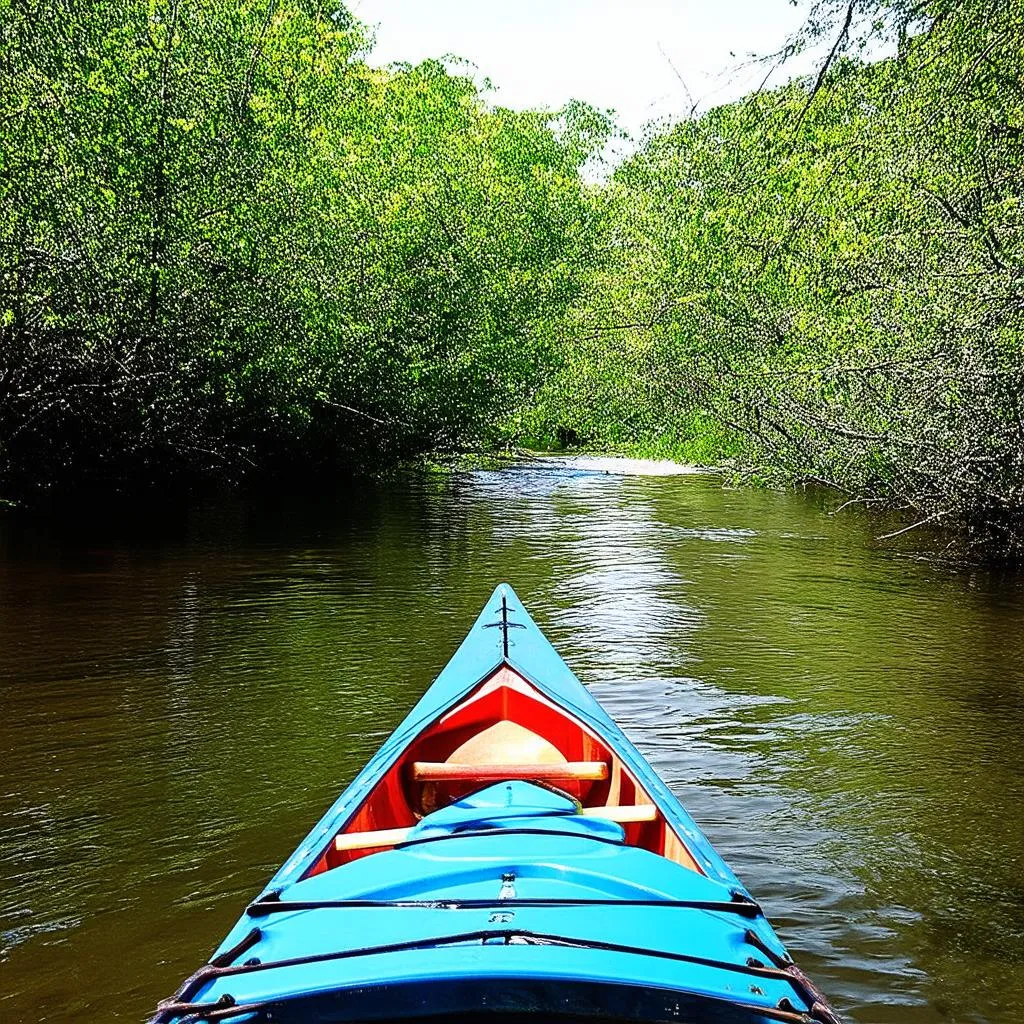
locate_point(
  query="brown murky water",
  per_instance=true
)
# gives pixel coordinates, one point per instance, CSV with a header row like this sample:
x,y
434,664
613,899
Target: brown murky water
x,y
181,699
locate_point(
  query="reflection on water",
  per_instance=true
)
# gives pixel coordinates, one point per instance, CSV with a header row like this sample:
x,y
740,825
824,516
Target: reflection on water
x,y
181,701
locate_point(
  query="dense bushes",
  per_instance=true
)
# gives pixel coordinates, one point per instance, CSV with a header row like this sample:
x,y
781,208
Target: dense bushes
x,y
826,282
226,242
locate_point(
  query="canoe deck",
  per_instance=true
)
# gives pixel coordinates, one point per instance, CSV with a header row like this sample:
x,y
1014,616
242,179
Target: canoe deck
x,y
507,852
465,900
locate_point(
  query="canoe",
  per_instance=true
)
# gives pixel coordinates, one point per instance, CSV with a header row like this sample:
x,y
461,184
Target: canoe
x,y
506,853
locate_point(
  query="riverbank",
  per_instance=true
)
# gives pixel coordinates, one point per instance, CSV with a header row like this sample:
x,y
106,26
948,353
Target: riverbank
x,y
299,268
891,526
128,509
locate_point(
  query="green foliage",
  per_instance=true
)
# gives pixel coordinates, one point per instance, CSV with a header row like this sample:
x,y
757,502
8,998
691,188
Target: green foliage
x,y
227,242
831,274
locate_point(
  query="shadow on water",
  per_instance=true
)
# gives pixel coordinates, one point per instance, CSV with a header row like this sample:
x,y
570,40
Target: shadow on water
x,y
184,694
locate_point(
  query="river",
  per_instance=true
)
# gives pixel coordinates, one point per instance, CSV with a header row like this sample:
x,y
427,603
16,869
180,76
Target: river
x,y
183,695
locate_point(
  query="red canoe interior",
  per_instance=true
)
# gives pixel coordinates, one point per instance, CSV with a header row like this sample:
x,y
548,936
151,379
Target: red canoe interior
x,y
505,729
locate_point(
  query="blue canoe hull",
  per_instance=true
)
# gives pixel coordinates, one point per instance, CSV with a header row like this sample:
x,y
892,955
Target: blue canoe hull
x,y
509,900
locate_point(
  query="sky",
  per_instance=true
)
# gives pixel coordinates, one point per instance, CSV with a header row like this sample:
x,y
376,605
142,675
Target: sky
x,y
627,55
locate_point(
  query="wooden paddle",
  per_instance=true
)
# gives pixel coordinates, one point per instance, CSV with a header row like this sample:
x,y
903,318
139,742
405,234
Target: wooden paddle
x,y
567,771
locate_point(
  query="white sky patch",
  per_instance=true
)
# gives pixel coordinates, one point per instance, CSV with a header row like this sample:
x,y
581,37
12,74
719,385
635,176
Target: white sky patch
x,y
616,54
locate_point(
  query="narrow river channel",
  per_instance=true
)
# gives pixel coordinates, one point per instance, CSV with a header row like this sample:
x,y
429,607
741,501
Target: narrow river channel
x,y
181,701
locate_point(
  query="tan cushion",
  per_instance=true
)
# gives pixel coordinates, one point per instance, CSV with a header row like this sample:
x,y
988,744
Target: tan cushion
x,y
507,742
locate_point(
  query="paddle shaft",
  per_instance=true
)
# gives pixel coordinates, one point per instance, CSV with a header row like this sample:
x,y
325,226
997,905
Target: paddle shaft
x,y
567,771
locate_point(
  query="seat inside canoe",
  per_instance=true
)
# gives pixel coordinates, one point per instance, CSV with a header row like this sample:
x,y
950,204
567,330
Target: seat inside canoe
x,y
505,730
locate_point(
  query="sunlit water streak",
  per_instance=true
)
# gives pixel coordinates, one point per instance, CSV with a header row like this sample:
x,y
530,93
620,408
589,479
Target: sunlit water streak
x,y
179,706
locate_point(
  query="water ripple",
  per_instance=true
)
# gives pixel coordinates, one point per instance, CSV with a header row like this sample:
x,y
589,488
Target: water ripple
x,y
842,721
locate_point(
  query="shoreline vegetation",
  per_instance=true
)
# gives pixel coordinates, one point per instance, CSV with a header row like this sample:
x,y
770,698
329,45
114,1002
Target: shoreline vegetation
x,y
232,250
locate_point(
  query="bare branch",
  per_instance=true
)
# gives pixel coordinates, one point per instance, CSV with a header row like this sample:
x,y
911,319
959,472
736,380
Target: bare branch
x,y
844,35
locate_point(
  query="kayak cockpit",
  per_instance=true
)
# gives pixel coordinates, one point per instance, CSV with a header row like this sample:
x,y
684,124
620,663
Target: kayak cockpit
x,y
504,730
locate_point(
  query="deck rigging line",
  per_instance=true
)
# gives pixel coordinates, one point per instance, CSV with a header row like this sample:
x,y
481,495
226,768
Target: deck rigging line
x,y
179,1005
268,905
226,1007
